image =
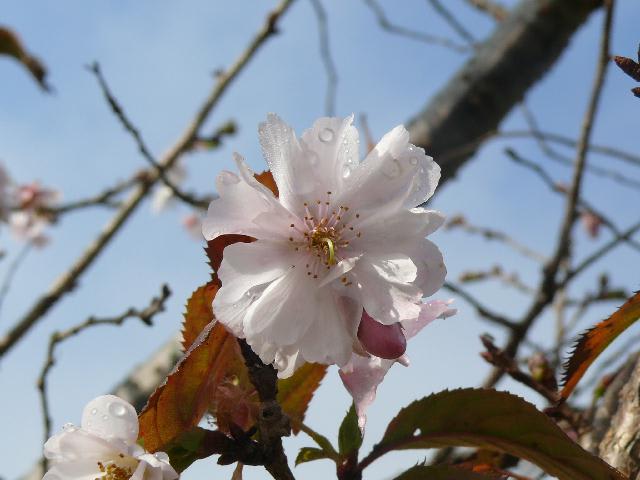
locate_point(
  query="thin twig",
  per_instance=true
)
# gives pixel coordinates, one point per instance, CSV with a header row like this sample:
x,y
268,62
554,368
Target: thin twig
x,y
386,25
496,272
12,269
145,316
459,221
549,285
327,58
68,280
491,7
558,188
104,198
118,111
453,22
481,309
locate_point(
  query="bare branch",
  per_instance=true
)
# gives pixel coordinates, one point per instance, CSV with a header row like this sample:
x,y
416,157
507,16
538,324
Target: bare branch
x,y
386,25
482,311
145,316
66,282
118,111
549,285
459,221
558,188
12,270
491,7
327,58
453,22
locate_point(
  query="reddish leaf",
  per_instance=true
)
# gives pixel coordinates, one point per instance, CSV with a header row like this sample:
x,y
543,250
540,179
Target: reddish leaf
x,y
198,313
215,248
628,66
594,341
11,45
295,392
441,472
180,402
266,179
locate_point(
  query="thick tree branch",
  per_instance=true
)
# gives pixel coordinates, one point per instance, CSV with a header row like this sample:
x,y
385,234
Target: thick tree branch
x,y
472,105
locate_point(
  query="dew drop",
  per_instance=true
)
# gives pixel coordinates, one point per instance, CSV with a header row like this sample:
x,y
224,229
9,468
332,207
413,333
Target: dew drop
x,y
413,160
117,409
392,169
326,135
105,417
69,427
163,457
346,171
94,411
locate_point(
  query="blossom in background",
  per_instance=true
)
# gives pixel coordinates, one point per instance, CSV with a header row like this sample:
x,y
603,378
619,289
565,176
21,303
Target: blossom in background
x,y
362,375
163,196
342,238
27,221
192,223
104,447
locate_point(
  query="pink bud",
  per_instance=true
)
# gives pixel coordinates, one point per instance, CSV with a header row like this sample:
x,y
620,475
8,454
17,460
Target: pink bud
x,y
384,341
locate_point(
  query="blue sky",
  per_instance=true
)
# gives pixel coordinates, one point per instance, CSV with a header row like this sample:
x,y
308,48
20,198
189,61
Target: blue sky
x,y
158,57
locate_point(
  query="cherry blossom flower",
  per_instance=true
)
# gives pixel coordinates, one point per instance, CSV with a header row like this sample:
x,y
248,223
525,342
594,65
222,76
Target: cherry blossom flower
x,y
104,447
26,221
362,375
342,237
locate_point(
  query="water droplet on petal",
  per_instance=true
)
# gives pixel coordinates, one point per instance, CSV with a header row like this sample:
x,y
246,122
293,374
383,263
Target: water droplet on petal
x,y
392,169
117,409
94,411
69,427
326,135
413,160
346,171
105,417
163,457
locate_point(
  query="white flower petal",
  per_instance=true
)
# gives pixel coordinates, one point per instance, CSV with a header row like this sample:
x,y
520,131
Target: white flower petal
x,y
110,417
284,311
332,146
395,172
430,264
77,470
242,200
387,292
78,444
395,232
250,265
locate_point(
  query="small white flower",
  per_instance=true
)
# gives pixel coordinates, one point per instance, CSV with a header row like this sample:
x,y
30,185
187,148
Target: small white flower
x,y
163,196
342,237
104,447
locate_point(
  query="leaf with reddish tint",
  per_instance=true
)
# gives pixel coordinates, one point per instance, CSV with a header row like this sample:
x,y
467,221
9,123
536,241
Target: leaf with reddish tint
x,y
180,402
215,248
594,341
198,314
295,392
266,179
491,420
11,45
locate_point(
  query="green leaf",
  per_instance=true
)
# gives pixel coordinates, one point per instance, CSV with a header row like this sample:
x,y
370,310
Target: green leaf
x,y
441,472
310,454
595,340
349,435
494,421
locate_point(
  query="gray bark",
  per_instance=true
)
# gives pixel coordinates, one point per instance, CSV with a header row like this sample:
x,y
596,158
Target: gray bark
x,y
471,106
